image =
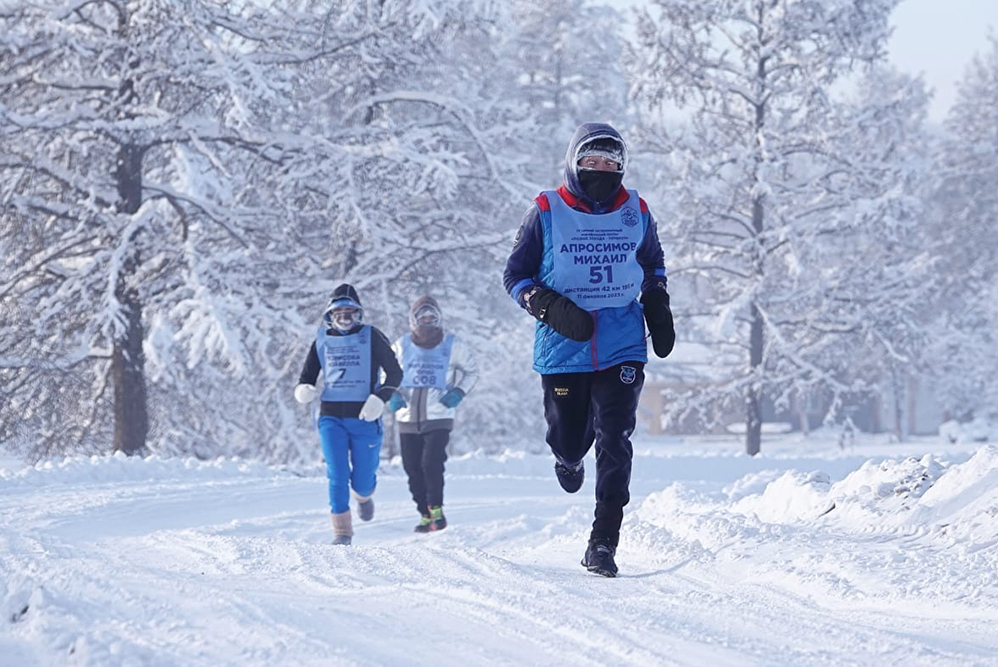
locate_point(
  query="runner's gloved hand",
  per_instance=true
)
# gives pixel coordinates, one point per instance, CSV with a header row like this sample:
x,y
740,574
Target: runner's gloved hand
x,y
452,398
304,393
396,402
372,409
659,319
559,312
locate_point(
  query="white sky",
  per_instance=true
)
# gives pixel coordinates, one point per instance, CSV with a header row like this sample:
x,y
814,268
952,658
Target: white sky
x,y
936,38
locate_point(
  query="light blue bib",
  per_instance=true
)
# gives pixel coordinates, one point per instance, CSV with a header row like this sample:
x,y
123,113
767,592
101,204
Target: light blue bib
x,y
346,365
426,368
595,256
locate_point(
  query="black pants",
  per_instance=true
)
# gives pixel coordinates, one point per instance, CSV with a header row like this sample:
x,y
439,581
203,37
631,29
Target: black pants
x,y
600,407
423,457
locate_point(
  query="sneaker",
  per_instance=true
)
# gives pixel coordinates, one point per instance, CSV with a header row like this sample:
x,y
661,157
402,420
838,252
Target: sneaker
x,y
570,476
437,519
424,524
365,509
343,540
599,559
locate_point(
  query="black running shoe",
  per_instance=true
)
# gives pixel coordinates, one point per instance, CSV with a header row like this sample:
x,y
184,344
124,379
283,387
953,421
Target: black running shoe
x,y
599,559
365,509
570,476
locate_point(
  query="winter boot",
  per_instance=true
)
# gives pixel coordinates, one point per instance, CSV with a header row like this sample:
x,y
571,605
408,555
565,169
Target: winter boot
x,y
599,559
570,476
342,528
425,521
365,507
438,520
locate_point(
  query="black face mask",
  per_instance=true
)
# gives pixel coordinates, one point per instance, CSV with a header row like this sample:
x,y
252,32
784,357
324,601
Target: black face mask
x,y
600,185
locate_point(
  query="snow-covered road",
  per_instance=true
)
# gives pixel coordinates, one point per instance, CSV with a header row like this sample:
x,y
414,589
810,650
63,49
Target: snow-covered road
x,y
804,556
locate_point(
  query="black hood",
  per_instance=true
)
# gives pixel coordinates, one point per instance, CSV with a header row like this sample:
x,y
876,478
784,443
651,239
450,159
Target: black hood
x,y
345,291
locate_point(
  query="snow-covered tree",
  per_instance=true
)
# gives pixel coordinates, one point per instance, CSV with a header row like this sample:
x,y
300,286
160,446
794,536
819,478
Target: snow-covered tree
x,y
965,214
183,184
117,118
169,202
415,155
792,206
552,66
568,56
445,142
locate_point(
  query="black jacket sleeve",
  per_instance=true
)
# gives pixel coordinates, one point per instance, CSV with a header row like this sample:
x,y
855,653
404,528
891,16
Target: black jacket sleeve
x,y
384,358
310,371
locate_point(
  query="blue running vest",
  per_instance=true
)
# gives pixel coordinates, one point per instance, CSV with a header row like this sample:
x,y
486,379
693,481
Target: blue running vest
x,y
346,365
594,257
423,367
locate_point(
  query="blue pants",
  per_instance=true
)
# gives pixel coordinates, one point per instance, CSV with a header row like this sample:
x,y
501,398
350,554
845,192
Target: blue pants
x,y
352,449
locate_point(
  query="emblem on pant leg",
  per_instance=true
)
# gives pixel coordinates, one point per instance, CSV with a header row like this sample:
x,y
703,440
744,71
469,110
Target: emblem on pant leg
x,y
561,391
627,374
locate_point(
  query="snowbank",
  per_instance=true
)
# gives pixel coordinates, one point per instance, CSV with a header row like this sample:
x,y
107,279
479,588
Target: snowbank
x,y
120,468
922,529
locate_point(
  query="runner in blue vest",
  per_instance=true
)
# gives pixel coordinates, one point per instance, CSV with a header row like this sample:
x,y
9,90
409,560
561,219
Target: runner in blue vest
x,y
351,356
582,256
438,371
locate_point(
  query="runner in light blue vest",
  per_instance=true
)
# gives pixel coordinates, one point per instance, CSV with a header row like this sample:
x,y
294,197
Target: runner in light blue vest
x,y
581,258
438,371
350,356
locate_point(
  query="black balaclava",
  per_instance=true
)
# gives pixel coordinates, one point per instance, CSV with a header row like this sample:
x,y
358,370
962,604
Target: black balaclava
x,y
600,186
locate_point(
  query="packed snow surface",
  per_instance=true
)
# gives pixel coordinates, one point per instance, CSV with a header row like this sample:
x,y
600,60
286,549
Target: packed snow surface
x,y
878,554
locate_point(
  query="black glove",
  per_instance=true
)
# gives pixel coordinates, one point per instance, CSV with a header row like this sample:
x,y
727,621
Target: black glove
x,y
659,319
559,312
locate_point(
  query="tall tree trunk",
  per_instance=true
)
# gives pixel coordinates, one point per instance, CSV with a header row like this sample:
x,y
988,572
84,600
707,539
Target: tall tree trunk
x,y
131,411
131,416
753,397
900,393
802,405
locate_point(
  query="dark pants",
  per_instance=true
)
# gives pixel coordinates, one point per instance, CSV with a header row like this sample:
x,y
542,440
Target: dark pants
x,y
600,407
423,457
